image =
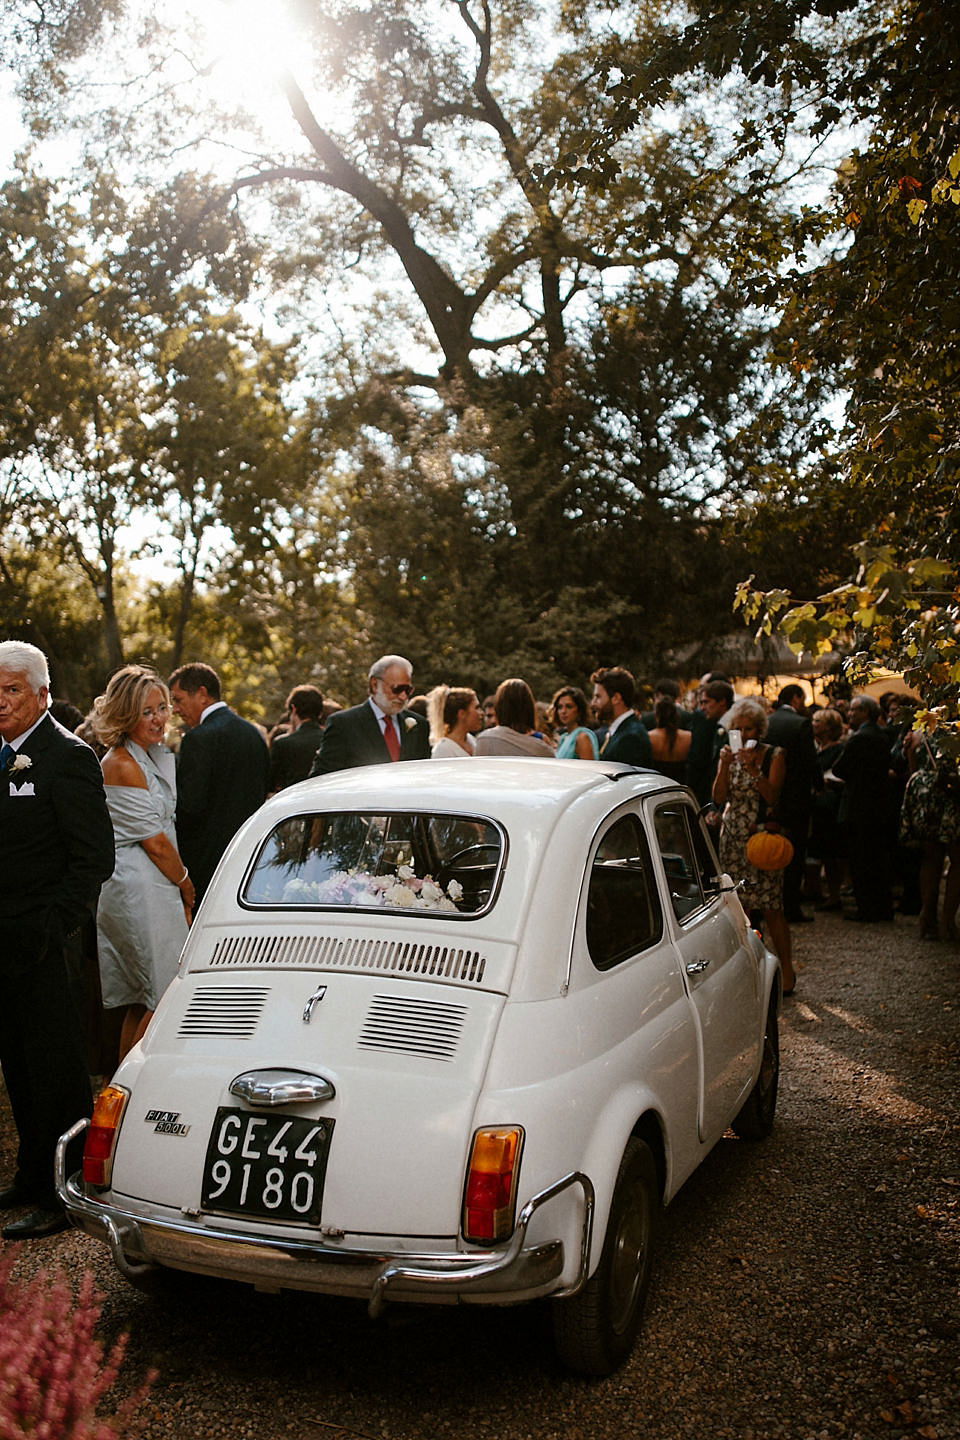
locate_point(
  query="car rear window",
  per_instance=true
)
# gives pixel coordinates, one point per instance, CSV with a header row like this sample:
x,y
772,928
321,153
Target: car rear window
x,y
405,862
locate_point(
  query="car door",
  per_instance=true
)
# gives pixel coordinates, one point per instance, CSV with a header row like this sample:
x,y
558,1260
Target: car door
x,y
718,968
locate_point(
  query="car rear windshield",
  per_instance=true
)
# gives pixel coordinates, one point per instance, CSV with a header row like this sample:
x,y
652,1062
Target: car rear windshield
x,y
402,862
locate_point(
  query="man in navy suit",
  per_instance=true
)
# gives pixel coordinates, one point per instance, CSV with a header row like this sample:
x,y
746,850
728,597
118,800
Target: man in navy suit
x,y
222,771
381,729
627,739
56,850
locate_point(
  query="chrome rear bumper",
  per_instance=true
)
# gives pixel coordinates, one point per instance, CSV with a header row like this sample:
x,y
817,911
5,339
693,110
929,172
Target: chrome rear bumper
x,y
514,1271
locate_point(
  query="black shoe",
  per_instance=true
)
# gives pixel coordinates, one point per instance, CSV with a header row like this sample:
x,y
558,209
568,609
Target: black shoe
x,y
36,1225
12,1196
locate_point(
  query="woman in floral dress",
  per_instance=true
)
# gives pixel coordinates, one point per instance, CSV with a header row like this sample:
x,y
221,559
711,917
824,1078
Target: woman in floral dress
x,y
748,785
930,822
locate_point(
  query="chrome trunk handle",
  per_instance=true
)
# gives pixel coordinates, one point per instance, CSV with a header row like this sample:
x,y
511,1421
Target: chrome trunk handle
x,y
280,1087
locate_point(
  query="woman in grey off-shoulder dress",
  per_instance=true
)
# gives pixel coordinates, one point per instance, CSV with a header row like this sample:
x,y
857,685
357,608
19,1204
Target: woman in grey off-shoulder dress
x,y
147,903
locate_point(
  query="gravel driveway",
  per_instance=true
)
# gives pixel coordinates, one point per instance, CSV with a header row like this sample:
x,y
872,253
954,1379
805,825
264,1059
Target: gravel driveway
x,y
806,1287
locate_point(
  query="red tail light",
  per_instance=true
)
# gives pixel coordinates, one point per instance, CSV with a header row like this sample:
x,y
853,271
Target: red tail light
x,y
490,1197
101,1139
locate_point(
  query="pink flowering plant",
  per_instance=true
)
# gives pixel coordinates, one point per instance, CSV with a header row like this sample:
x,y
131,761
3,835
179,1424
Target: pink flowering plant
x,y
402,890
53,1373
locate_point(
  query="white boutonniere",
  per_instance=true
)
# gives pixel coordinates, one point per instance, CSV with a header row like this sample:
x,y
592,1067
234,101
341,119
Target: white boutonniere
x,y
22,762
410,723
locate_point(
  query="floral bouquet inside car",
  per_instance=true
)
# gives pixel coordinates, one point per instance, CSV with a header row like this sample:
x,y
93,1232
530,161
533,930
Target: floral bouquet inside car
x,y
404,890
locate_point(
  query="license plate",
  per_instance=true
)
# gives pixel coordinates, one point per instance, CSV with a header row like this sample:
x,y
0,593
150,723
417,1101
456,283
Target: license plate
x,y
271,1166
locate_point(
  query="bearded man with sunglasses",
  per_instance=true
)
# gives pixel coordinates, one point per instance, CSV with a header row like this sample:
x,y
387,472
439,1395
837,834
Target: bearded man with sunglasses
x,y
380,730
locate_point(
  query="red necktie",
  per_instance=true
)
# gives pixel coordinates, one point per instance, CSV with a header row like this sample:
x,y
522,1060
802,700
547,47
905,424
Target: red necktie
x,y
390,736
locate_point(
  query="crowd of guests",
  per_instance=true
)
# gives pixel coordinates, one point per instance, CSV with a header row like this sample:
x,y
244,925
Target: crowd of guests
x,y
124,852
863,798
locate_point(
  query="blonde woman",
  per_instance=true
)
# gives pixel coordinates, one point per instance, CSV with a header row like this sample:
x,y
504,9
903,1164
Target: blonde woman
x,y
147,904
455,717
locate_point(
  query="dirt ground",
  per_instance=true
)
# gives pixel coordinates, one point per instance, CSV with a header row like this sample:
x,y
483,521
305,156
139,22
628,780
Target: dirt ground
x,y
806,1287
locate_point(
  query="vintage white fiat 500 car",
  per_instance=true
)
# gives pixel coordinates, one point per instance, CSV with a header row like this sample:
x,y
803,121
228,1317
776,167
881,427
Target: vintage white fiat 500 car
x,y
442,1031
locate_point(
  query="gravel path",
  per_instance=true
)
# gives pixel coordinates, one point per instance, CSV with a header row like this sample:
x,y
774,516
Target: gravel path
x,y
807,1287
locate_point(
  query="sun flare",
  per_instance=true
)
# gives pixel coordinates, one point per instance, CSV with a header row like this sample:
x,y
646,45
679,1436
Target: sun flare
x,y
251,44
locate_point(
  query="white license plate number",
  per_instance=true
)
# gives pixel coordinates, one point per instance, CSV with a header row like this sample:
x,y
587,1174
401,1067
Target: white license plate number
x,y
270,1166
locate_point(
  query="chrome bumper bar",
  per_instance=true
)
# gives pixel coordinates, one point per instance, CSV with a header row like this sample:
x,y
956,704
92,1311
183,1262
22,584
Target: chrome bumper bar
x,y
139,1244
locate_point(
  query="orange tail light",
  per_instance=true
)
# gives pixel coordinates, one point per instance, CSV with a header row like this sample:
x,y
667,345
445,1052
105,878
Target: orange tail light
x,y
102,1135
491,1192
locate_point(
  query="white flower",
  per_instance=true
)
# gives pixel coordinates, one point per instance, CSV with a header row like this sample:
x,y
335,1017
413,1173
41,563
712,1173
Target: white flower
x,y
455,890
409,723
405,872
400,895
430,891
22,762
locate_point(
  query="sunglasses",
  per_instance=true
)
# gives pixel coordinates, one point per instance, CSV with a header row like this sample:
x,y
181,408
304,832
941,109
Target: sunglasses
x,y
398,689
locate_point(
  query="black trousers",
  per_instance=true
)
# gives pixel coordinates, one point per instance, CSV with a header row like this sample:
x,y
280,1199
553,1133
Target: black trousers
x,y
797,825
42,1053
868,855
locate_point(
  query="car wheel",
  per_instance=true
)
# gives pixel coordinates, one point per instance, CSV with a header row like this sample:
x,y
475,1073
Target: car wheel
x,y
755,1120
594,1330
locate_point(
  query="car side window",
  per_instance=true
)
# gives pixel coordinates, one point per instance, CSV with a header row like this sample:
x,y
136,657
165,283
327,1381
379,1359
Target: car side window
x,y
623,909
688,865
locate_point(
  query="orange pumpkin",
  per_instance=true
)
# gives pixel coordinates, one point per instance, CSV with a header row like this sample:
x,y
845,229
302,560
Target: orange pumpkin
x,y
769,850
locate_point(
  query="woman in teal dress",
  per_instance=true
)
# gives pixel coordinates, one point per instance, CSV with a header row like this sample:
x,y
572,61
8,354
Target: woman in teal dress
x,y
577,741
146,905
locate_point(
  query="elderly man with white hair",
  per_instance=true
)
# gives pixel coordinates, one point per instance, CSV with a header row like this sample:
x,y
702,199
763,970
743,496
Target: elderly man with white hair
x,y
380,730
56,850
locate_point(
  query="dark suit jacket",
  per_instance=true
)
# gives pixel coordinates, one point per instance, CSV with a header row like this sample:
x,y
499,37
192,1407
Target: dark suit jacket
x,y
864,768
793,732
629,744
291,756
56,841
709,738
354,737
221,779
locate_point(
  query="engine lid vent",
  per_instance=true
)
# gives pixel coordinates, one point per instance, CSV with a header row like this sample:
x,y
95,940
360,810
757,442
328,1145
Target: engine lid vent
x,y
233,1010
348,952
411,1026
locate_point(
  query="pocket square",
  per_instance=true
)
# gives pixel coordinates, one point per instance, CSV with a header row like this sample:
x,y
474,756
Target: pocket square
x,y
25,789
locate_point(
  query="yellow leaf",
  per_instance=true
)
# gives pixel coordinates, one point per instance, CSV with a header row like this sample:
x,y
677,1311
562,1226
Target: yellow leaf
x,y
953,164
915,210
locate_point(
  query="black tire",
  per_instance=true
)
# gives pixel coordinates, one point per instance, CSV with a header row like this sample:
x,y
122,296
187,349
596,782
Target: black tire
x,y
755,1120
594,1331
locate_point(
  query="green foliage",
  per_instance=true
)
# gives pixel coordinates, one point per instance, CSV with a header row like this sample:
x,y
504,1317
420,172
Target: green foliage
x,y
546,250
885,316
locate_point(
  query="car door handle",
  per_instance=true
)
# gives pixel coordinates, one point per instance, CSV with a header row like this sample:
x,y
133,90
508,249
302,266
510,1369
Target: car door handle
x,y
697,967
